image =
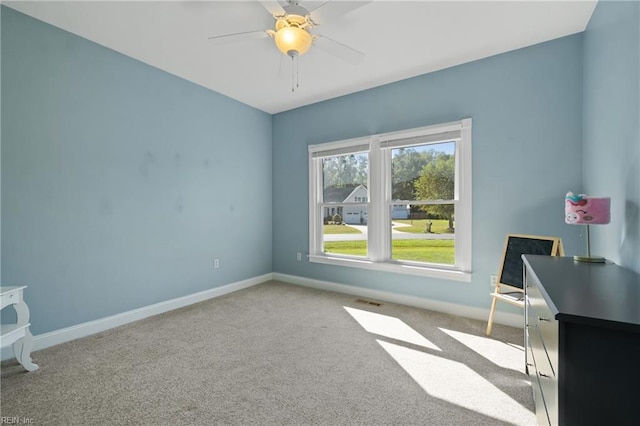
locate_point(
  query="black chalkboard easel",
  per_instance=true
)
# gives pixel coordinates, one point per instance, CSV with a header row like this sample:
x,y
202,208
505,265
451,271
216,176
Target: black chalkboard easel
x,y
515,246
510,274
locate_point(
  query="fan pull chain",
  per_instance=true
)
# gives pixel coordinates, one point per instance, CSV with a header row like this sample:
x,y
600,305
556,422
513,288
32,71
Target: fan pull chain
x,y
295,71
293,89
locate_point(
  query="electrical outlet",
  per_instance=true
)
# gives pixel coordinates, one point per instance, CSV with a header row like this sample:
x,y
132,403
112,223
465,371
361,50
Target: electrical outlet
x,y
216,263
299,256
493,280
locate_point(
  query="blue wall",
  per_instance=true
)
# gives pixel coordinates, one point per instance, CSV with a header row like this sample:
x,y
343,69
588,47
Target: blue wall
x,y
612,126
120,182
526,107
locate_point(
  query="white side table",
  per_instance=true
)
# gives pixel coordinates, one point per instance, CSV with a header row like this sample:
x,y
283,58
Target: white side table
x,y
17,334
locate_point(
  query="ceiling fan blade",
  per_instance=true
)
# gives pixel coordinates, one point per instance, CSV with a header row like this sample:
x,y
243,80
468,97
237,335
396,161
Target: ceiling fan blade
x,y
332,9
237,37
273,7
338,49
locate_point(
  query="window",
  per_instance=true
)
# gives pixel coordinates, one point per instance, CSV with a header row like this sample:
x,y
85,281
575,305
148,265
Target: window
x,y
398,202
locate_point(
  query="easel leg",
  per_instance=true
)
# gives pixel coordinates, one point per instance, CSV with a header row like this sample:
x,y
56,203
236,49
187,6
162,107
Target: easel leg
x,y
493,311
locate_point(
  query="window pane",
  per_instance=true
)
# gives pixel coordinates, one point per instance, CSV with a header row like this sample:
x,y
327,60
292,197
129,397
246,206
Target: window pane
x,y
426,235
345,179
423,172
345,239
423,233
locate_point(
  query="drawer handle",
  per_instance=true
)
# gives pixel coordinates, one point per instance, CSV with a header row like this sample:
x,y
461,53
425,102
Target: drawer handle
x,y
544,375
541,319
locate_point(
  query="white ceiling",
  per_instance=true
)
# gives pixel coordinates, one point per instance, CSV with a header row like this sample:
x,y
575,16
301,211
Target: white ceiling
x,y
401,39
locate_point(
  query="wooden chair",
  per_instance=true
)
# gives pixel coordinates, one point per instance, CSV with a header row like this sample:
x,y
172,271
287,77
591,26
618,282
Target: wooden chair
x,y
509,286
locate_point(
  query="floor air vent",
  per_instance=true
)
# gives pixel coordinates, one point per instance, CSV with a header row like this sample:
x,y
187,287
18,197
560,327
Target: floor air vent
x,y
368,302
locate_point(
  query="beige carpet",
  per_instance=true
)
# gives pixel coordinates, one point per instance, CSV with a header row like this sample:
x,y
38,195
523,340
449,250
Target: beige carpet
x,y
279,354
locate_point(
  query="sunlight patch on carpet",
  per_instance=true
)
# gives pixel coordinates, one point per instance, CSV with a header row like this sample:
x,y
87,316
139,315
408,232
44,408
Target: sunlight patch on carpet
x,y
469,389
394,328
500,353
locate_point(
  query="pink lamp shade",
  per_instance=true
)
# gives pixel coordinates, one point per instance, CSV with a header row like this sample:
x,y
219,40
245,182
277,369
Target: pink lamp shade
x,y
583,210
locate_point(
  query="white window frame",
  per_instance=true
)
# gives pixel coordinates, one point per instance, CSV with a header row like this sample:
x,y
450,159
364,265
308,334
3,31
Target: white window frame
x,y
379,232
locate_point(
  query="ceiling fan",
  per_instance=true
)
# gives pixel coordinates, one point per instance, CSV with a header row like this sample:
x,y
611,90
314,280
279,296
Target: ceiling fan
x,y
293,34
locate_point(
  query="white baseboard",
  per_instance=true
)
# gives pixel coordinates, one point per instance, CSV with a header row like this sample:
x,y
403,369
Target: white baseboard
x,y
513,320
88,328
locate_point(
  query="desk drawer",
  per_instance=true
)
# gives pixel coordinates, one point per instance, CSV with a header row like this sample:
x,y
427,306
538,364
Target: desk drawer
x,y
549,334
538,399
541,410
546,376
541,316
536,300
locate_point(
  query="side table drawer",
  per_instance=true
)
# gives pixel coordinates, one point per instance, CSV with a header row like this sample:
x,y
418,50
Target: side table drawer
x,y
10,297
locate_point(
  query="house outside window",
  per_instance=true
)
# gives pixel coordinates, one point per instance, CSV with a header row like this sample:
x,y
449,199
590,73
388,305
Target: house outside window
x,y
404,201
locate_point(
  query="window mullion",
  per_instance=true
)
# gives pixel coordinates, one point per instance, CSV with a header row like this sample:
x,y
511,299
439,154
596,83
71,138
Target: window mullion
x,y
462,210
378,215
315,206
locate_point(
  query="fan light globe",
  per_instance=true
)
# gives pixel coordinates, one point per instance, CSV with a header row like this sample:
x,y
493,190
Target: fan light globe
x,y
293,39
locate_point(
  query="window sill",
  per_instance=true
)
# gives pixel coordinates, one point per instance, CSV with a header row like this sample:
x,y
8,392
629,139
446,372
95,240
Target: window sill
x,y
392,267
